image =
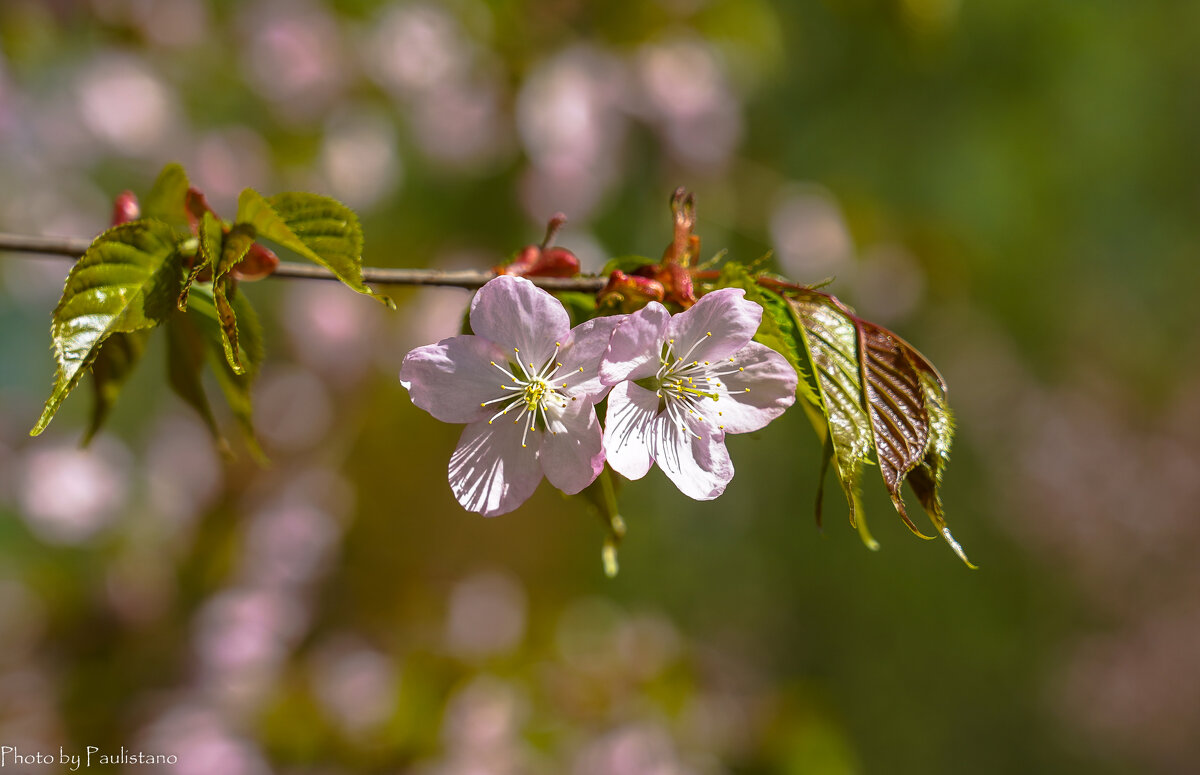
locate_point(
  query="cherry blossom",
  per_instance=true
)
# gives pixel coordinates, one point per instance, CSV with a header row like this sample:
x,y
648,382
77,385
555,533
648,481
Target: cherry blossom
x,y
526,384
681,383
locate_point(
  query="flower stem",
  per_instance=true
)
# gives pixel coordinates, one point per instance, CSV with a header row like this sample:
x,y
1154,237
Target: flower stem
x,y
612,522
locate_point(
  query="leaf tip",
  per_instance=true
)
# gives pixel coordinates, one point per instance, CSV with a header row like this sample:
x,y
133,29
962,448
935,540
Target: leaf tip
x,y
957,547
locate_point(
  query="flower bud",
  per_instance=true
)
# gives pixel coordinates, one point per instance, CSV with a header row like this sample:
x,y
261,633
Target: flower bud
x,y
543,260
125,208
196,206
259,262
625,293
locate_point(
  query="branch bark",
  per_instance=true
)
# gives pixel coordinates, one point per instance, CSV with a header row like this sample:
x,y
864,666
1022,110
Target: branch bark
x,y
71,247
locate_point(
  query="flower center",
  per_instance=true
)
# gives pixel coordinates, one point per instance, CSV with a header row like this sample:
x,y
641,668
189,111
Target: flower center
x,y
539,394
536,392
685,387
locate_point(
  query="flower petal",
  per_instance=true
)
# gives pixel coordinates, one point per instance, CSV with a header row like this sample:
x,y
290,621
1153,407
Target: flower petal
x,y
515,313
490,472
573,455
581,357
725,314
631,412
699,467
452,378
760,392
636,345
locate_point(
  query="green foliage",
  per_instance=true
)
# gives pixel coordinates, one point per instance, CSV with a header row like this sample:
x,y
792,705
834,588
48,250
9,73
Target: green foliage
x,y
114,363
627,264
318,228
870,396
226,252
880,397
167,200
186,353
155,272
125,282
204,318
832,343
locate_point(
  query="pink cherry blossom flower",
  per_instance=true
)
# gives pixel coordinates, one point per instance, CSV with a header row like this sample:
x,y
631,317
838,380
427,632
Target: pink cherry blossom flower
x,y
681,383
527,384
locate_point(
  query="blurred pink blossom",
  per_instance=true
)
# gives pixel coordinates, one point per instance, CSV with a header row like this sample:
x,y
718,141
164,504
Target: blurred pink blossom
x,y
202,739
418,48
356,684
242,637
332,330
809,234
686,94
293,409
359,159
68,495
127,105
572,122
293,55
228,160
486,615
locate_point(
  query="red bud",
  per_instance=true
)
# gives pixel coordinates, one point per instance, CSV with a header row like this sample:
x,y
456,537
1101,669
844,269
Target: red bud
x,y
125,208
625,293
196,206
543,260
259,262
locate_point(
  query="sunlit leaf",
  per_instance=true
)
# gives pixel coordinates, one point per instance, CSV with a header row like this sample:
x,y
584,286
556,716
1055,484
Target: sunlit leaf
x,y
128,280
114,363
225,257
832,342
926,477
186,354
318,228
235,387
879,397
207,251
167,198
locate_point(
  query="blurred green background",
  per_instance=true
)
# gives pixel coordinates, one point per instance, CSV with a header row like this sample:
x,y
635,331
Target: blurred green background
x,y
1010,186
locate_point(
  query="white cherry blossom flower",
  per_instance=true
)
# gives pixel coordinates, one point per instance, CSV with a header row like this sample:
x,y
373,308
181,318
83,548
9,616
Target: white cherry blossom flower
x,y
681,383
526,384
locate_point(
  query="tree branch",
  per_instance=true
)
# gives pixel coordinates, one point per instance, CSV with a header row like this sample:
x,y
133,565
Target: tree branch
x,y
70,247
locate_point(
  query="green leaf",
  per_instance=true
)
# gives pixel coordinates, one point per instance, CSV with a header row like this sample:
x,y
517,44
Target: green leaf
x,y
580,306
780,331
236,387
627,264
167,200
926,477
879,395
128,280
208,250
318,228
230,253
186,351
114,363
832,343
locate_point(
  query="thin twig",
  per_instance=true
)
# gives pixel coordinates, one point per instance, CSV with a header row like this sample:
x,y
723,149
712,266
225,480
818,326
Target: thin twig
x,y
69,247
